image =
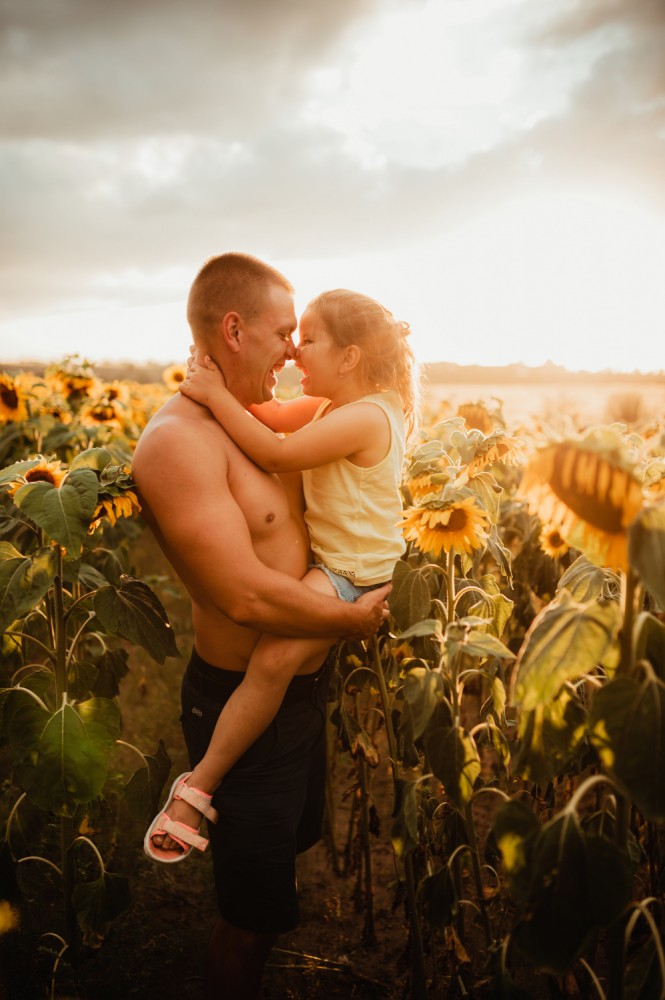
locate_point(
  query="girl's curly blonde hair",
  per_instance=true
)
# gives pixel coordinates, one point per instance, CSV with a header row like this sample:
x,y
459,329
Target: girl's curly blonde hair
x,y
387,360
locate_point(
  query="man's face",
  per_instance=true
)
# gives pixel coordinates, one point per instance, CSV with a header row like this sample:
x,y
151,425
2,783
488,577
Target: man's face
x,y
266,345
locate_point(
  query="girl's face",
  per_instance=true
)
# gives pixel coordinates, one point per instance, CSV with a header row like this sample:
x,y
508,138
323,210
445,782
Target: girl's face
x,y
318,357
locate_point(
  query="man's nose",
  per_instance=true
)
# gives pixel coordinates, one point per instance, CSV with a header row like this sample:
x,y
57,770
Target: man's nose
x,y
291,349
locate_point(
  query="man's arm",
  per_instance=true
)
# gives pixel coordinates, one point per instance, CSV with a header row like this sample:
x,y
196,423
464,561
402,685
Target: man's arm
x,y
189,499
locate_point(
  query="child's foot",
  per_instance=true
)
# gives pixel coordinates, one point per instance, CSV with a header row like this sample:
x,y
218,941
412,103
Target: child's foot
x,y
175,830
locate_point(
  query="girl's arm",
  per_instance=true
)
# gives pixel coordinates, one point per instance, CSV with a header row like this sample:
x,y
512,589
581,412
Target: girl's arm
x,y
341,434
286,416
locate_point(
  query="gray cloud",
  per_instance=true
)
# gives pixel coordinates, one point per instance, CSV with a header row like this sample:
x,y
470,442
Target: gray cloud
x,y
147,135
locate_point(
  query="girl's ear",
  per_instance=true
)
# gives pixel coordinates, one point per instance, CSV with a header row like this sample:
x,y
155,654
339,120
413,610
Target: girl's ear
x,y
350,359
230,329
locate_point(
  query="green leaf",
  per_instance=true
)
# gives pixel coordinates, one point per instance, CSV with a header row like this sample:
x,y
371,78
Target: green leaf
x,y
144,788
92,458
454,759
500,553
23,581
487,490
627,721
565,641
550,734
11,472
65,513
111,668
586,582
423,690
23,720
646,550
404,829
72,756
483,644
410,598
650,642
567,883
494,605
134,612
98,903
429,626
8,551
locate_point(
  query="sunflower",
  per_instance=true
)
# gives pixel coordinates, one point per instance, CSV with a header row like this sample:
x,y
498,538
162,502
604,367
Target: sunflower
x,y
126,504
476,416
552,543
42,472
174,375
100,413
497,447
458,524
12,403
584,489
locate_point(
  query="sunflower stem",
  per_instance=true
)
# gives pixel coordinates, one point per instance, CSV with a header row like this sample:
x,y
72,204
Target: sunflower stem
x,y
450,585
628,592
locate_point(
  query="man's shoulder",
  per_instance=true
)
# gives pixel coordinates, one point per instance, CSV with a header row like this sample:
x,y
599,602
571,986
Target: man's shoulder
x,y
177,433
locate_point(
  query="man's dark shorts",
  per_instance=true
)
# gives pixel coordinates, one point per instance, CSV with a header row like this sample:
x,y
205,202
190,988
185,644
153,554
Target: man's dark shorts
x,y
270,803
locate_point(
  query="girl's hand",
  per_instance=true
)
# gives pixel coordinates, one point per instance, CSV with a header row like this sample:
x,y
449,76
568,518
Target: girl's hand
x,y
203,382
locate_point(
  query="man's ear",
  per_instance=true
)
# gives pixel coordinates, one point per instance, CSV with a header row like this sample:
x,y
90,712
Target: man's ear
x,y
230,329
350,359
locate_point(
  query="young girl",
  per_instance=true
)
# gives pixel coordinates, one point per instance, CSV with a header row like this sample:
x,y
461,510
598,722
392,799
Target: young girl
x,y
348,441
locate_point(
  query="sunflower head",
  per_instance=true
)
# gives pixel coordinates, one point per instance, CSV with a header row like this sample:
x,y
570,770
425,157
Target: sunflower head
x,y
173,376
74,378
99,413
124,504
476,416
12,401
42,472
458,524
586,490
552,543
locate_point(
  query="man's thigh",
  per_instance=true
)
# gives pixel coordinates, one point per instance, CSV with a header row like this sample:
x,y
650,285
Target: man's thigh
x,y
270,806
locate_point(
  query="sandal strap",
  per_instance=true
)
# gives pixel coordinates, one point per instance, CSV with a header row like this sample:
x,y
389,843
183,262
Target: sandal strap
x,y
198,799
181,833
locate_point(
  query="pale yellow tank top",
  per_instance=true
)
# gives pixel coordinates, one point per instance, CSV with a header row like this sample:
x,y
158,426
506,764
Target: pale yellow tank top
x,y
353,513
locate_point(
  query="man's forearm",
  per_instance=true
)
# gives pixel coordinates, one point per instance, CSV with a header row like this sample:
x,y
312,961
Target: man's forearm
x,y
292,609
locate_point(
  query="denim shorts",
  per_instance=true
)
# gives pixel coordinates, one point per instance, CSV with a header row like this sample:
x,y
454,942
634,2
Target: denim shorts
x,y
270,803
345,588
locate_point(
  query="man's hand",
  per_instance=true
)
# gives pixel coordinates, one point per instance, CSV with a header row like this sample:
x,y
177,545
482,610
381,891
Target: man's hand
x,y
375,611
203,382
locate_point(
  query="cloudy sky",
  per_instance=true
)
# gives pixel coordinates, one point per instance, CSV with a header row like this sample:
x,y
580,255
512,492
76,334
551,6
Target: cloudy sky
x,y
492,170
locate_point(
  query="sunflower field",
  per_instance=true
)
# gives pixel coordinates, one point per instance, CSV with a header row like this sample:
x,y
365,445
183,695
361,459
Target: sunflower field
x,y
517,696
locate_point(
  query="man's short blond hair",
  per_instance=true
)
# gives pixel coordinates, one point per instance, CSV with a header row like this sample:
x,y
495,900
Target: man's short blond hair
x,y
229,282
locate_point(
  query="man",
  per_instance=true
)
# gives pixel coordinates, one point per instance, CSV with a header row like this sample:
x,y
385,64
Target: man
x,y
236,538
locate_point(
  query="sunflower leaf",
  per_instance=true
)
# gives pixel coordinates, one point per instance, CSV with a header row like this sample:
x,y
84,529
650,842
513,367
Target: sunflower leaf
x,y
586,582
23,581
65,513
12,472
623,711
72,756
422,690
453,756
98,903
404,829
567,882
646,548
92,458
550,737
144,788
565,641
410,597
132,611
483,644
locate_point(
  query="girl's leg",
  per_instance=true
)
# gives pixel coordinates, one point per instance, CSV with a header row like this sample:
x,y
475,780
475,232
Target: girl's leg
x,y
252,707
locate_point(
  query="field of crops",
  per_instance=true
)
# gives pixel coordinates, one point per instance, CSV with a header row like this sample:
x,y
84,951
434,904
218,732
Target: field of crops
x,y
514,708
